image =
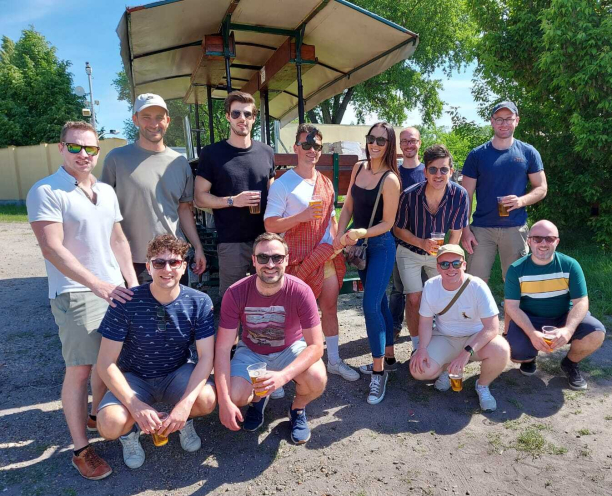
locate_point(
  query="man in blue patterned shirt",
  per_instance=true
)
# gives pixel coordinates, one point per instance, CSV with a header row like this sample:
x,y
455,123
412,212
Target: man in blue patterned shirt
x,y
145,356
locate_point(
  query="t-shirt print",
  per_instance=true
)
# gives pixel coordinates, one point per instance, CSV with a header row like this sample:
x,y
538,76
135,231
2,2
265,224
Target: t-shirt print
x,y
265,326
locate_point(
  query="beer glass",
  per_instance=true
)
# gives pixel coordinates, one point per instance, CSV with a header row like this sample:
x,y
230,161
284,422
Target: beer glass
x,y
438,237
456,381
255,209
158,439
256,372
548,332
317,202
502,210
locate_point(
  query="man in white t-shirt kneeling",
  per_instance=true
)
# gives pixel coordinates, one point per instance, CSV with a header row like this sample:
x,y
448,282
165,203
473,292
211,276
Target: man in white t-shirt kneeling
x,y
467,328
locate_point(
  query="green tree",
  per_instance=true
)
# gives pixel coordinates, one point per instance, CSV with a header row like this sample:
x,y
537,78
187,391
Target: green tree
x,y
37,97
554,59
447,37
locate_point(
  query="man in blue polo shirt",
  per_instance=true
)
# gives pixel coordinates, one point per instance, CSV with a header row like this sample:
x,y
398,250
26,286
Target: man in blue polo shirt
x,y
500,169
145,356
436,205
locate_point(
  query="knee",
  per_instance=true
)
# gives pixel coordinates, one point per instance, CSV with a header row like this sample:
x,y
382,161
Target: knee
x,y
328,306
112,422
206,402
240,396
79,373
593,340
414,299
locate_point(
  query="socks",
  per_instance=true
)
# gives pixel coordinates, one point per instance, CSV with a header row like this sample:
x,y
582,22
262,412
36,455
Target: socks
x,y
568,362
332,349
93,417
415,343
79,451
378,373
133,429
390,361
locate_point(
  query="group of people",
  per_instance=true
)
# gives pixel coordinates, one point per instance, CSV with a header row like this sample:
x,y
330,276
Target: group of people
x,y
116,258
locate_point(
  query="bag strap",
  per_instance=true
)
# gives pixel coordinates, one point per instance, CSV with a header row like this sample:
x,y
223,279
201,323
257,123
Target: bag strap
x,y
465,284
380,185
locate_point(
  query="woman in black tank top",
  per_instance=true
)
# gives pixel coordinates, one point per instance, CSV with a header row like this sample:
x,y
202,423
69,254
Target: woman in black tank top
x,y
379,170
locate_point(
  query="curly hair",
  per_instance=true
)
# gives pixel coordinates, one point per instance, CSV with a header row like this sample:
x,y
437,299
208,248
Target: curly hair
x,y
167,242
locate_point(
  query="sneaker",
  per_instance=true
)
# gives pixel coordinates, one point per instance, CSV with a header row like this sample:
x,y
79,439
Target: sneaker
x,y
443,382
369,368
528,368
342,369
378,386
90,465
571,370
487,402
278,394
254,417
396,333
190,441
92,425
133,454
300,432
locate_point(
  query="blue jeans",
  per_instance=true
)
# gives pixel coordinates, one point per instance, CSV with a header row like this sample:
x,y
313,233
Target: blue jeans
x,y
375,278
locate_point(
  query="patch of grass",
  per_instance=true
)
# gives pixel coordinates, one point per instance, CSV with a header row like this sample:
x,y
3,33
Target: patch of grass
x,y
532,442
550,365
569,395
608,417
516,403
13,213
496,445
585,432
596,371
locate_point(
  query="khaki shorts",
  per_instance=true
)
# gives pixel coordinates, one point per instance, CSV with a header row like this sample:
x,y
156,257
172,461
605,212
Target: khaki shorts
x,y
234,263
78,316
410,265
512,245
444,349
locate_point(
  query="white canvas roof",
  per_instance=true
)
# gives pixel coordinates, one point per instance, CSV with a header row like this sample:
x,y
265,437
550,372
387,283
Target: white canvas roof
x,y
161,45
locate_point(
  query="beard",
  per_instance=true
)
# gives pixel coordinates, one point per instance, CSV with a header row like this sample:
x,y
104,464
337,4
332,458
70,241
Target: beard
x,y
240,132
153,138
272,278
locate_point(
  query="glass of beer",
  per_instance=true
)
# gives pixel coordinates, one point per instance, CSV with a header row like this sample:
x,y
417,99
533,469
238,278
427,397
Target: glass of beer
x,y
317,202
159,440
255,209
502,210
549,332
256,372
456,381
438,237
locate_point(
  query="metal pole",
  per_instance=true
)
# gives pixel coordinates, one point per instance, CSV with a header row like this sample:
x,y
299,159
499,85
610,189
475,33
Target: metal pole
x,y
228,75
300,93
197,123
91,100
267,109
188,139
263,115
211,127
226,52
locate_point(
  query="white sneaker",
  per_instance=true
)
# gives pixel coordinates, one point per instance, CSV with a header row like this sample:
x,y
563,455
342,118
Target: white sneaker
x,y
278,394
487,402
190,441
378,386
443,382
342,369
133,454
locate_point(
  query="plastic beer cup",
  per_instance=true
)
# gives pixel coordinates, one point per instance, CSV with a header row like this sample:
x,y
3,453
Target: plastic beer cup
x,y
456,381
256,371
316,201
502,210
438,237
548,330
255,209
159,440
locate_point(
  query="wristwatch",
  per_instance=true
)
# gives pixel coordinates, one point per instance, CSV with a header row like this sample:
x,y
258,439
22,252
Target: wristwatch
x,y
230,201
469,349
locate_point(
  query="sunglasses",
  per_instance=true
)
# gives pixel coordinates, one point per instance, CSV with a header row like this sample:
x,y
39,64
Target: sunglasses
x,y
307,146
235,114
160,263
264,259
455,263
90,150
433,170
161,319
548,239
380,140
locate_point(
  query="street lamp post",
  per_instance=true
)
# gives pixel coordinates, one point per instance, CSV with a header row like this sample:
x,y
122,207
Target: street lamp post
x,y
91,100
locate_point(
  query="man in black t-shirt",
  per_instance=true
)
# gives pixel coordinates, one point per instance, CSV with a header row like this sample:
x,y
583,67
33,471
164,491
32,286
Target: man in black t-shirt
x,y
233,179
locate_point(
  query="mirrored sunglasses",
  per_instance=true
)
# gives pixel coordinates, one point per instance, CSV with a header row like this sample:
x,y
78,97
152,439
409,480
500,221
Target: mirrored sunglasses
x,y
433,170
446,265
89,149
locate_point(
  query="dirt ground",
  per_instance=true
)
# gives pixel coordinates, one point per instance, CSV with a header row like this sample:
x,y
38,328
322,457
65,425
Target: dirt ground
x,y
543,439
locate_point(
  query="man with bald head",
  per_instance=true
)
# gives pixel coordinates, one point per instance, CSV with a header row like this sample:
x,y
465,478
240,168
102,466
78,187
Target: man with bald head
x,y
548,288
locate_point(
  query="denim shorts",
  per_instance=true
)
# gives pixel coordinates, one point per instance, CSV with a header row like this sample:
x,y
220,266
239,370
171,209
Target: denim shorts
x,y
274,361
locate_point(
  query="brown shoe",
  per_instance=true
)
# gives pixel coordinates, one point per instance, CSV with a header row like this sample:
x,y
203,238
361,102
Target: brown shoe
x,y
92,426
90,465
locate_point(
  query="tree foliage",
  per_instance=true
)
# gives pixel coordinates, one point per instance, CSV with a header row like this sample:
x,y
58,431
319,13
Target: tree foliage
x,y
554,59
36,96
446,40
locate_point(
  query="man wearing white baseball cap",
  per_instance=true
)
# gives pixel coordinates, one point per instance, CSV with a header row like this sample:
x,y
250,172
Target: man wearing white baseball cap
x,y
154,185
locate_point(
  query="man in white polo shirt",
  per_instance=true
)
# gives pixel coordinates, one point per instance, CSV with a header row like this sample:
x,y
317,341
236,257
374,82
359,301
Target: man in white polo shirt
x,y
76,222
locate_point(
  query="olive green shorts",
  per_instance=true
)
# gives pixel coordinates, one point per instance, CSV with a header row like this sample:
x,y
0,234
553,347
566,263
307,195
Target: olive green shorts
x,y
78,316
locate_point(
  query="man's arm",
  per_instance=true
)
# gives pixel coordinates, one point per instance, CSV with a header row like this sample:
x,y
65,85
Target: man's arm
x,y
180,413
121,250
520,318
468,240
455,236
229,413
188,226
480,340
144,415
539,188
50,237
580,307
421,357
203,198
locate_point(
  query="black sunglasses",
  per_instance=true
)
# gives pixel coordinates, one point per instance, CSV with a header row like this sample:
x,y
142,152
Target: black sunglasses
x,y
264,259
160,263
90,150
307,146
380,140
235,114
548,239
161,319
455,263
433,170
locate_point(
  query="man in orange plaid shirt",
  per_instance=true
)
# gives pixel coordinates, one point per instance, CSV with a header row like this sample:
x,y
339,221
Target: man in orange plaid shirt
x,y
301,205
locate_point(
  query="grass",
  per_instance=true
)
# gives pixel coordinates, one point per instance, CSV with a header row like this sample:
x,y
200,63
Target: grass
x,y
532,442
13,213
584,432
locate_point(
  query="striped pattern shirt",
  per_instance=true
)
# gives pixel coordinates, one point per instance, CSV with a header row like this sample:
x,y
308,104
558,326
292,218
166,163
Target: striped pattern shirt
x,y
156,338
415,216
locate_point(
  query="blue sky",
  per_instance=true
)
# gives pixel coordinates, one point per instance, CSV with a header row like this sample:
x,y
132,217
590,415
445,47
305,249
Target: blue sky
x,y
84,30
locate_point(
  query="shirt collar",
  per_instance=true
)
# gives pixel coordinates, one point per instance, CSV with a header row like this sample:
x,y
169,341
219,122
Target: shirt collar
x,y
71,179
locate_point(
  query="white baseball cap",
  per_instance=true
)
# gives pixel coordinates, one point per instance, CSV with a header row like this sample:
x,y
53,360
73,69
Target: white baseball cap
x,y
149,100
